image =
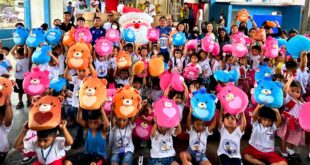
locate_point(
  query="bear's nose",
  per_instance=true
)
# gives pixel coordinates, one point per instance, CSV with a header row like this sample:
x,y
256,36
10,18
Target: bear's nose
x,y
137,25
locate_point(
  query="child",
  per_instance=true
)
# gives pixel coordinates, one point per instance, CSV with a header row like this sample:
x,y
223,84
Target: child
x,y
123,78
53,69
22,66
290,132
96,144
57,51
194,61
177,61
162,151
155,91
255,56
265,122
6,120
231,133
101,65
198,135
231,63
121,144
243,82
49,148
4,68
206,68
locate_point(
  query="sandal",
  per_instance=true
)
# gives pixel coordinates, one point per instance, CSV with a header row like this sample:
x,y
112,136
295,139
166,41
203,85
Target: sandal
x,y
28,104
20,105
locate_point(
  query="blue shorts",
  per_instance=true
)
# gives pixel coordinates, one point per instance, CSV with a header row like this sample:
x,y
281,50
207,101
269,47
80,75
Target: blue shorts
x,y
122,159
197,157
161,161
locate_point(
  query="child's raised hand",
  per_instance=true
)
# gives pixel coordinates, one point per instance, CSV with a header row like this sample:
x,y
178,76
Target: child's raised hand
x,y
260,105
290,77
62,124
25,127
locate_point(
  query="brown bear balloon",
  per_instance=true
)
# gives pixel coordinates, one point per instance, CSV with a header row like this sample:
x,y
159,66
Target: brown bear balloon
x,y
5,89
45,113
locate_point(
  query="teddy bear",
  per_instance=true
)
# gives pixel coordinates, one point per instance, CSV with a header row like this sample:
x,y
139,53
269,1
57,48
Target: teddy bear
x,y
271,48
20,35
298,44
36,82
103,47
112,35
123,60
92,93
138,67
260,35
109,99
127,102
269,93
53,36
35,38
203,105
83,33
243,15
41,54
262,72
191,72
68,38
153,34
142,129
156,66
166,113
233,99
5,89
78,56
45,113
225,76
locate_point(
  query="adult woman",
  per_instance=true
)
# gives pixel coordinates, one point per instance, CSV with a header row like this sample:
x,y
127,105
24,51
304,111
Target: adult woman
x,y
223,37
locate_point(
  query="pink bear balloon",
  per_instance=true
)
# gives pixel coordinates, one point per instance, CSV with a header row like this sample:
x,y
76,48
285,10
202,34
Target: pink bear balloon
x,y
207,43
191,44
167,113
165,80
271,47
216,49
239,50
227,48
109,100
304,116
177,82
191,72
142,129
103,47
153,35
36,82
233,99
112,35
83,33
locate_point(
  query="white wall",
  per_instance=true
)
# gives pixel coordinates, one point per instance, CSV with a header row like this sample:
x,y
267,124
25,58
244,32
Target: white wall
x,y
37,13
56,10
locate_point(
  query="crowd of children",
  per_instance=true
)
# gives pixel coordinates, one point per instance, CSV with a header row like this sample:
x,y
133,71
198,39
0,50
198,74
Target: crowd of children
x,y
109,139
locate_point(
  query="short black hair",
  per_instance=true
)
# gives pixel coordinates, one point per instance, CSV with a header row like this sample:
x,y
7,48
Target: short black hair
x,y
44,26
2,110
19,24
163,17
6,49
57,19
20,51
81,19
267,113
97,18
226,115
1,56
46,133
66,12
137,80
257,47
295,84
291,64
196,55
94,115
129,45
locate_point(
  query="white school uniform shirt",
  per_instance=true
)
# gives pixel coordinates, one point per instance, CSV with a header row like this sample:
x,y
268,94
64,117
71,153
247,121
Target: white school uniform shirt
x,y
162,145
177,63
79,7
101,67
215,65
3,70
230,142
112,63
77,85
61,59
22,66
206,68
122,138
52,153
102,7
262,138
4,143
255,61
53,72
94,2
198,141
107,25
123,82
296,109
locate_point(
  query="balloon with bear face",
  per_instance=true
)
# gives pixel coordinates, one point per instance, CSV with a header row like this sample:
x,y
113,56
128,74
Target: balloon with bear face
x,y
207,43
298,44
191,72
271,48
83,33
20,35
103,47
225,76
53,36
41,55
179,39
123,60
78,56
68,38
142,129
269,93
109,99
191,45
36,82
5,89
262,72
203,105
153,35
35,38
112,35
129,35
167,113
57,85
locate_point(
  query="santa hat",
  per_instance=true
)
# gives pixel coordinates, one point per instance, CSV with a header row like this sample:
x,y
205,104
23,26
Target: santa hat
x,y
121,8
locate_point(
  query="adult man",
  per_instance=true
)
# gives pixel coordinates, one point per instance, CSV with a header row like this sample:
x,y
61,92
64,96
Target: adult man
x,y
66,24
108,24
79,8
97,31
149,9
164,33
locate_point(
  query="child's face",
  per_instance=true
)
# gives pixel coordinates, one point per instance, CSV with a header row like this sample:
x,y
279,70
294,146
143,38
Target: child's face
x,y
143,52
124,75
222,33
178,54
243,61
230,121
269,64
94,124
115,52
229,60
194,59
254,52
101,58
46,142
122,122
178,99
265,122
199,125
181,27
209,27
252,33
162,130
82,73
129,49
203,55
295,92
234,29
137,85
67,17
81,23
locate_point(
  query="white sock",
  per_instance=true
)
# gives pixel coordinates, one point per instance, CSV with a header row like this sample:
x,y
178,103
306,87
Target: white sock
x,y
284,154
290,151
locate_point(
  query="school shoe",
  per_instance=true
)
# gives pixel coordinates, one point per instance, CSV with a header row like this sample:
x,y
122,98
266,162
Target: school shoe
x,y
27,160
296,157
140,160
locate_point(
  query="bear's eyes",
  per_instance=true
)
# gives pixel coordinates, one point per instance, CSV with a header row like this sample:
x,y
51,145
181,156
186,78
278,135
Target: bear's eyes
x,y
30,78
131,98
262,87
133,21
39,77
86,87
95,88
271,89
82,51
123,98
139,21
197,99
74,50
229,91
206,102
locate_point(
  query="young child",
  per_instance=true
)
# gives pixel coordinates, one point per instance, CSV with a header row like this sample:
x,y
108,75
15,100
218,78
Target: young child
x,y
162,151
231,133
194,61
177,60
290,132
123,78
22,66
231,63
6,120
95,150
112,63
121,145
255,56
265,122
4,68
49,148
53,68
206,68
198,135
101,65
243,82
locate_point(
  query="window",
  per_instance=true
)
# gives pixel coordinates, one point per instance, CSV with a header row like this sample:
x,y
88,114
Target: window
x,y
11,12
